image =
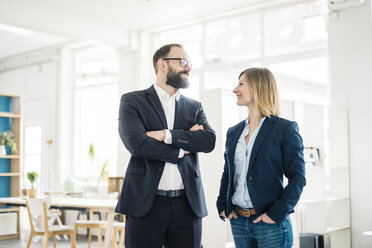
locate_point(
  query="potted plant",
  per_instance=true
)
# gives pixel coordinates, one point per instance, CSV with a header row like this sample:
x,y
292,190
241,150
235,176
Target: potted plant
x,y
104,172
102,180
7,139
91,151
32,177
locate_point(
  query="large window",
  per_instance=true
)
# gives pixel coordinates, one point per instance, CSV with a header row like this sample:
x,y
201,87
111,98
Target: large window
x,y
290,40
33,152
295,28
190,37
96,112
233,39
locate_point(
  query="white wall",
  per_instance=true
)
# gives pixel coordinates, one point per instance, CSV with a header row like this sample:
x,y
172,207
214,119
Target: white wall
x,y
350,53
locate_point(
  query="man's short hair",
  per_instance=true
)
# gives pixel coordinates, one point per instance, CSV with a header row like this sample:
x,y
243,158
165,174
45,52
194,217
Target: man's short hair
x,y
163,52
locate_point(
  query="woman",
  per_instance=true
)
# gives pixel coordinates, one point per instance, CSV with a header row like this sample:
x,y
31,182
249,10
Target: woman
x,y
259,151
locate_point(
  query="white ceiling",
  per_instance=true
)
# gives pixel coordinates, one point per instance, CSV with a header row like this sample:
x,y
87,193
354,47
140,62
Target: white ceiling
x,y
109,21
12,44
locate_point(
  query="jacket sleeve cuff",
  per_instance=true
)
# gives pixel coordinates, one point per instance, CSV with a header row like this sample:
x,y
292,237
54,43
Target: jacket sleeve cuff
x,y
277,215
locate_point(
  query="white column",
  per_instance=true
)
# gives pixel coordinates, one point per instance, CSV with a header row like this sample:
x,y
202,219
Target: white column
x,y
65,120
222,113
128,81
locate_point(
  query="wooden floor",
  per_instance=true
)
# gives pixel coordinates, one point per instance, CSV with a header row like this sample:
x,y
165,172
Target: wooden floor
x,y
81,242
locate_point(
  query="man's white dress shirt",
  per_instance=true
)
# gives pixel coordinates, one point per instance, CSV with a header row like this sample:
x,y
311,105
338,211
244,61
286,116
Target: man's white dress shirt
x,y
171,178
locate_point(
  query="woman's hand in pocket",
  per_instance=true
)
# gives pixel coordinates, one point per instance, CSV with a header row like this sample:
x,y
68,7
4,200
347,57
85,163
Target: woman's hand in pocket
x,y
265,218
231,215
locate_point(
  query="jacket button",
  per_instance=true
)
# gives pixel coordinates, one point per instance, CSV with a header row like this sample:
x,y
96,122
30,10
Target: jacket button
x,y
160,170
250,178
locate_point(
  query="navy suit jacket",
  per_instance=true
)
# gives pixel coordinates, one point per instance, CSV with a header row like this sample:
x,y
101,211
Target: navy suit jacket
x,y
277,151
141,111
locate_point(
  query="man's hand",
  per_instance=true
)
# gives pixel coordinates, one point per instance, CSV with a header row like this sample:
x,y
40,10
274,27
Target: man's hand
x,y
265,218
158,135
197,127
232,215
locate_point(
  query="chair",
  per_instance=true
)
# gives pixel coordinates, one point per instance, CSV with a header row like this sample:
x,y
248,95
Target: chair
x,y
91,224
114,184
118,227
87,213
54,216
38,208
88,192
99,224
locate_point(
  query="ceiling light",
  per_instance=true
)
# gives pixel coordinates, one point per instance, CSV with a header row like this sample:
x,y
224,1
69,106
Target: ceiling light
x,y
15,30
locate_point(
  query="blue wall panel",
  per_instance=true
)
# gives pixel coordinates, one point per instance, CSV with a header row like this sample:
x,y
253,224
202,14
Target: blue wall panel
x,y
4,186
5,104
5,125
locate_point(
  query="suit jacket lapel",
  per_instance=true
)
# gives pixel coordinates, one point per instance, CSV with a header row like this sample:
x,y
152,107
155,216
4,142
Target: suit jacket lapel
x,y
178,116
234,141
154,99
264,131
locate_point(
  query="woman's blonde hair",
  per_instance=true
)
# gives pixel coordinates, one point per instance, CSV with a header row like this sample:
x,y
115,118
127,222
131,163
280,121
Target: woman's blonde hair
x,y
262,86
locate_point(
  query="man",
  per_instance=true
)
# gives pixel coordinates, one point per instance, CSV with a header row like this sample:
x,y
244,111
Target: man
x,y
162,194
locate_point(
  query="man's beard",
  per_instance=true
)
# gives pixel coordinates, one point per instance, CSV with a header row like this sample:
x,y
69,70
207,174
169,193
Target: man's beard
x,y
176,81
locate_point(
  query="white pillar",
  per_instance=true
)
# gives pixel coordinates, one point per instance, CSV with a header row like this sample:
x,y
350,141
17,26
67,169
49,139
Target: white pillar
x,y
128,81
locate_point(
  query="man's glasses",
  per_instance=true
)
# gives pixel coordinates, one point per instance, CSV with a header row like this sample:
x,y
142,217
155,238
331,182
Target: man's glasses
x,y
183,62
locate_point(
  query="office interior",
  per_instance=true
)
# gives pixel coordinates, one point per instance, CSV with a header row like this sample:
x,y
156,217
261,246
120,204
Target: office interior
x,y
68,63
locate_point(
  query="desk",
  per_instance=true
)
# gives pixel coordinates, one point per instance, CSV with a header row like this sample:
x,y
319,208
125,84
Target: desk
x,y
62,193
69,203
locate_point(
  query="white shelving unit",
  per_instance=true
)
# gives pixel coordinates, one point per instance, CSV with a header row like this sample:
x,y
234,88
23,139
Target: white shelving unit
x,y
324,207
10,166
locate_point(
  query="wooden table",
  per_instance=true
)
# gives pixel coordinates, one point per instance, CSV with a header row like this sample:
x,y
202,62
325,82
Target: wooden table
x,y
70,203
62,193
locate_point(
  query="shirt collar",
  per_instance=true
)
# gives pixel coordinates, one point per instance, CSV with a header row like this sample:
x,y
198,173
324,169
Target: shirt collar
x,y
162,93
262,120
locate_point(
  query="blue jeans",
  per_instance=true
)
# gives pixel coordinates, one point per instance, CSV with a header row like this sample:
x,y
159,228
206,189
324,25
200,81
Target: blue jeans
x,y
261,235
